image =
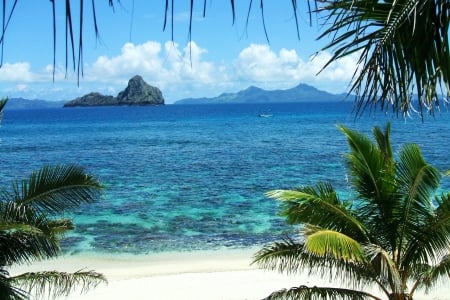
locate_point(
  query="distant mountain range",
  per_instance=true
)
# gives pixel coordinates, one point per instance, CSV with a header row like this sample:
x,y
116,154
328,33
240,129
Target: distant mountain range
x,y
300,93
21,103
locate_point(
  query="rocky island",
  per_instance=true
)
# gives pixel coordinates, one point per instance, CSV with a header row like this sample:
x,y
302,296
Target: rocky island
x,y
137,92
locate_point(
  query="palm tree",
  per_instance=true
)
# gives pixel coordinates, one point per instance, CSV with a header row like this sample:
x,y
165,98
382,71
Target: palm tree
x,y
30,230
394,234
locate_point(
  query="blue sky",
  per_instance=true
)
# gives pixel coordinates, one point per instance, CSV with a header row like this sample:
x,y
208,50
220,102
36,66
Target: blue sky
x,y
223,57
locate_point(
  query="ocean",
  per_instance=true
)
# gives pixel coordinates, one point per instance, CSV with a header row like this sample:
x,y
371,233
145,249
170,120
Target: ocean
x,y
193,177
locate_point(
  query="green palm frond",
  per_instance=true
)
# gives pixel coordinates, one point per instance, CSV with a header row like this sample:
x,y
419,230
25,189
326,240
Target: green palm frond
x,y
3,103
22,247
2,106
284,256
57,284
383,139
7,290
292,257
25,236
324,243
372,170
319,293
393,65
54,189
369,165
431,237
417,179
319,206
385,268
433,275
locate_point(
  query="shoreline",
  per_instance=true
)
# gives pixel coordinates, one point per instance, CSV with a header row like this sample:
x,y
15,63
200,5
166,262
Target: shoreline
x,y
198,275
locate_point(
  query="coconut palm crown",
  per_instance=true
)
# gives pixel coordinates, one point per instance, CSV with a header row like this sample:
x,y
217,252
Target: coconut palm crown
x,y
394,234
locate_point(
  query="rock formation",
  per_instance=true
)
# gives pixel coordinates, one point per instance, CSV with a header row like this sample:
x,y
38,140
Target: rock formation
x,y
137,92
92,99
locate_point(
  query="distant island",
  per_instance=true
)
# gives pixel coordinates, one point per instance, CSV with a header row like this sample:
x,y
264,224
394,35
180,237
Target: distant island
x,y
300,93
137,92
21,103
140,93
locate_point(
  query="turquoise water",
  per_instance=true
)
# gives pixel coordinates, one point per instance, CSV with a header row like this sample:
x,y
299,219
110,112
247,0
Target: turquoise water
x,y
193,177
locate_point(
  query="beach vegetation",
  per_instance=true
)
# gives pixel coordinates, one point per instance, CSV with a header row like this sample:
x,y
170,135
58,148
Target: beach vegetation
x,y
32,224
390,234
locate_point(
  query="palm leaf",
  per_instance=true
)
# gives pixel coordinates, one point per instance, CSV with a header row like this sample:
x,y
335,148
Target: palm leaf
x,y
54,189
8,291
432,237
292,257
284,256
417,181
433,275
3,103
393,65
367,165
319,293
319,206
372,170
57,284
19,247
335,244
25,236
385,268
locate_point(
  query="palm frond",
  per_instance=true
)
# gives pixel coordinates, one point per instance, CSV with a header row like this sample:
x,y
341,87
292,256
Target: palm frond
x,y
54,189
417,181
367,165
385,268
319,206
431,239
431,276
9,291
393,65
57,284
26,236
319,293
383,139
292,257
19,247
284,256
335,244
3,103
372,170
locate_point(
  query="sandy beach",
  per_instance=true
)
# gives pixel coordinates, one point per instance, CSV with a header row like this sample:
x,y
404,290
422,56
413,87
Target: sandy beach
x,y
199,275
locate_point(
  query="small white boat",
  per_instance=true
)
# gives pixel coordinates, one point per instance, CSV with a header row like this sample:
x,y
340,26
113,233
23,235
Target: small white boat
x,y
265,115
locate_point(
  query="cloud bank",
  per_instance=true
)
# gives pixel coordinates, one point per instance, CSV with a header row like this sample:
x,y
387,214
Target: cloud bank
x,y
180,72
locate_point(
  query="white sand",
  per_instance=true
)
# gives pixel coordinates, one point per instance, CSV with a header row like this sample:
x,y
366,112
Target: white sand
x,y
208,275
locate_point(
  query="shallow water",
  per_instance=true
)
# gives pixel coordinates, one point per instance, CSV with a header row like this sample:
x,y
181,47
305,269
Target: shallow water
x,y
182,177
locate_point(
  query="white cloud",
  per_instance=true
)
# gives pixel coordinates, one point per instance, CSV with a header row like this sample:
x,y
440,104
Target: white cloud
x,y
260,64
181,72
172,69
16,72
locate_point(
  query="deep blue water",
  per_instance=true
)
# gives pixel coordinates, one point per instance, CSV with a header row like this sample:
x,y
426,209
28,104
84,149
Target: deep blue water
x,y
182,177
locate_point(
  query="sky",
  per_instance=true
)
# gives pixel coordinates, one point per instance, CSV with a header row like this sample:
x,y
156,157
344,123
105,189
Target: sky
x,y
219,56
